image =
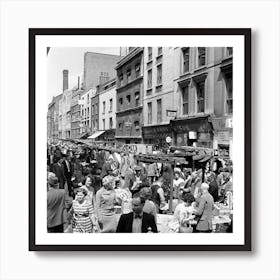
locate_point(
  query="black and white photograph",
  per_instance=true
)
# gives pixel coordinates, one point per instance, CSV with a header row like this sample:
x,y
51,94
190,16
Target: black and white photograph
x,y
141,139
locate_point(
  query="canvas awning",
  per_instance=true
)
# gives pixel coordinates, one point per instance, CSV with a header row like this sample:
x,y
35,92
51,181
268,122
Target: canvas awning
x,y
84,136
96,134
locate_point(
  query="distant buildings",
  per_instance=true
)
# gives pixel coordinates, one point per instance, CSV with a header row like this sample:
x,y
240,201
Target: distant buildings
x,y
107,110
149,94
203,92
85,116
159,104
75,112
130,97
53,118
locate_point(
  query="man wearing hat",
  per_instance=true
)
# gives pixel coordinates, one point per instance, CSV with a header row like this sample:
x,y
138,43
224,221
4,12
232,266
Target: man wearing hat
x,y
56,204
68,172
135,180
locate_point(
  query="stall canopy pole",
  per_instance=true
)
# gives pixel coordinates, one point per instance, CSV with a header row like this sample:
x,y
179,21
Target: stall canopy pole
x,y
203,173
171,190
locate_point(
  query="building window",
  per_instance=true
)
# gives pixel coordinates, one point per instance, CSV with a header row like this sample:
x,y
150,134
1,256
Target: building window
x,y
159,111
201,56
137,70
96,124
149,82
121,101
128,74
185,97
103,124
111,123
186,59
150,53
200,97
87,99
88,111
111,105
104,107
229,99
159,74
121,79
93,110
229,51
137,99
149,112
128,99
159,51
120,126
137,125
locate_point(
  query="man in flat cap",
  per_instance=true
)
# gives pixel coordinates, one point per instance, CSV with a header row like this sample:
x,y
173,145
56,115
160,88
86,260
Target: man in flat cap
x,y
56,205
135,180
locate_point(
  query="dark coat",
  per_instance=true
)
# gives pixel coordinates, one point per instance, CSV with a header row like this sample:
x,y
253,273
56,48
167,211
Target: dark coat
x,y
67,174
126,220
59,172
214,190
56,205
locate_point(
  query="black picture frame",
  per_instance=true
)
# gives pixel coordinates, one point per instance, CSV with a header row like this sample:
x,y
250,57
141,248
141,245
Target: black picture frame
x,y
246,32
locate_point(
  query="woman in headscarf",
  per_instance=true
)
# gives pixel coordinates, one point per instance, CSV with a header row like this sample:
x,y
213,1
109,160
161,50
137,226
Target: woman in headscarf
x,y
105,202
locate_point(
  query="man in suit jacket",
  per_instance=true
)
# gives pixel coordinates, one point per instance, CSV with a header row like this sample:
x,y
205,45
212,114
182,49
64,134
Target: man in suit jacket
x,y
137,221
56,204
58,169
205,210
68,172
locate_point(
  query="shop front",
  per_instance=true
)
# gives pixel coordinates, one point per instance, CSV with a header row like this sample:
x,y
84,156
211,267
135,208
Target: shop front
x,y
193,131
157,134
223,136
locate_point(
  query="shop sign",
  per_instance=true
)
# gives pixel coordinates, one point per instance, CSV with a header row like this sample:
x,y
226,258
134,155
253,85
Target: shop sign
x,y
229,123
192,135
168,139
171,113
204,136
179,140
137,148
222,136
221,123
223,153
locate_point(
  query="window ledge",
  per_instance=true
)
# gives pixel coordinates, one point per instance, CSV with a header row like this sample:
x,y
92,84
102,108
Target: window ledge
x,y
149,89
185,73
200,68
159,56
159,85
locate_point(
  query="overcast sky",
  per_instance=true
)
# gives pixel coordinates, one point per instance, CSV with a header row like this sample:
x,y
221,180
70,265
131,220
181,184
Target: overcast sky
x,y
71,59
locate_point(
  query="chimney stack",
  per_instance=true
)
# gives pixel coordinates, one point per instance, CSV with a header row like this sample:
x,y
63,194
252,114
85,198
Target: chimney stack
x,y
65,79
78,82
